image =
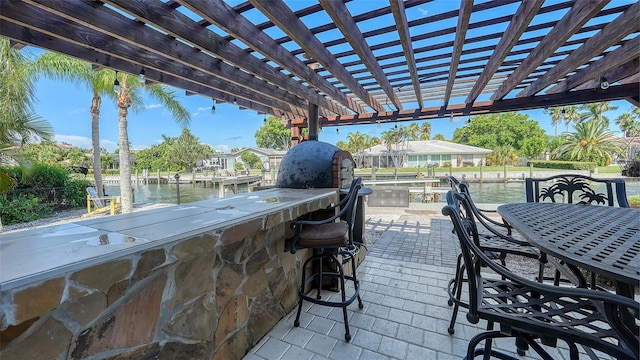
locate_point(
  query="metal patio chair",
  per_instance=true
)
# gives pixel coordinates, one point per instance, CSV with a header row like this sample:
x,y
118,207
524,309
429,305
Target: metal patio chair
x,y
495,240
535,313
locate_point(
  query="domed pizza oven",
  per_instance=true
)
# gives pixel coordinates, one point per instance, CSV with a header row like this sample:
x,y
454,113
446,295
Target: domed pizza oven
x,y
315,164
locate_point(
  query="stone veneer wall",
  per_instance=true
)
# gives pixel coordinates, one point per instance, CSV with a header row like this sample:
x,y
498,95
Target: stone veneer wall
x,y
210,296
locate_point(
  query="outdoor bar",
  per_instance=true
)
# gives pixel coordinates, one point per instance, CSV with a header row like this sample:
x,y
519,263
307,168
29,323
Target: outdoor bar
x,y
216,279
203,280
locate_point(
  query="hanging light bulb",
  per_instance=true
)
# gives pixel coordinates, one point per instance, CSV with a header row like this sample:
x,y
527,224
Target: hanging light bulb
x,y
235,101
141,76
337,131
213,106
564,112
378,123
265,119
116,84
546,109
604,84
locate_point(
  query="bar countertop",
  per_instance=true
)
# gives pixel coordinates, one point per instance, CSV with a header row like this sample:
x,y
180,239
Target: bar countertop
x,y
34,255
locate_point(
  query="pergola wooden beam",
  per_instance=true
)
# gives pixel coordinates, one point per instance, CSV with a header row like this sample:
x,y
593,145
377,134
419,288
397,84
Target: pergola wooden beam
x,y
461,34
281,14
340,15
517,26
570,23
399,14
102,60
623,74
223,16
620,27
627,52
178,25
133,36
73,43
484,107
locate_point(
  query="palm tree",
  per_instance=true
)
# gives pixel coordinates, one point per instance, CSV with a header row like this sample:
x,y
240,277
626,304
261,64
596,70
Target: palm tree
x,y
412,132
571,115
100,83
129,95
629,124
596,111
19,125
591,141
556,117
425,131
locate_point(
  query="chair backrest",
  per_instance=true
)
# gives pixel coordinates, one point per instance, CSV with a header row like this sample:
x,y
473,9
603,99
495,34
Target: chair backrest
x,y
580,189
94,197
480,214
349,207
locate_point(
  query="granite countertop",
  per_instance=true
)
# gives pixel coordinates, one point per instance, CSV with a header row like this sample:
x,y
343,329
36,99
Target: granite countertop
x,y
43,253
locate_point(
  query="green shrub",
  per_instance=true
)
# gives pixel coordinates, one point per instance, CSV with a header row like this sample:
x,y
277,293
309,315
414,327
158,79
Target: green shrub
x,y
44,176
23,209
634,200
75,192
567,165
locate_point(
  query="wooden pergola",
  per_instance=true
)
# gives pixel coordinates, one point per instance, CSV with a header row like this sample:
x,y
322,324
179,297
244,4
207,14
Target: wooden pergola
x,y
338,62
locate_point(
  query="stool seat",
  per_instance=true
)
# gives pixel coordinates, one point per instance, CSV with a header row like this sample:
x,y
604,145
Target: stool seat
x,y
325,235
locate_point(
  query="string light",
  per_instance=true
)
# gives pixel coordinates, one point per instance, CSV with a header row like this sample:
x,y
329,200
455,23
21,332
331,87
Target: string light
x,y
213,106
604,84
141,76
116,84
235,101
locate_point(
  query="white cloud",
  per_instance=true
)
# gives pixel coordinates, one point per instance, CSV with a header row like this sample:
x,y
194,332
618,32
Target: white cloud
x,y
201,110
423,11
84,142
153,106
222,147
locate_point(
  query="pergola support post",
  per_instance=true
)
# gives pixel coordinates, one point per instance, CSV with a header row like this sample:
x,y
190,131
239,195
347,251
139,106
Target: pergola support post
x,y
314,124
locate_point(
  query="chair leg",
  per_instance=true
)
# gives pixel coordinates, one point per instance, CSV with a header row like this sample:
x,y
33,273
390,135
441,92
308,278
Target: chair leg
x,y
356,283
458,282
296,322
455,284
488,336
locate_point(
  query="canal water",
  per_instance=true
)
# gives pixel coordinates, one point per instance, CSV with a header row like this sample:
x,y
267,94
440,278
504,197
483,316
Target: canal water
x,y
493,193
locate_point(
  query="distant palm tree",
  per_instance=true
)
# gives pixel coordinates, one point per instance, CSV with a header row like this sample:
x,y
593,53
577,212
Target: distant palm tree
x,y
571,115
100,83
412,132
19,125
556,117
129,95
425,131
591,141
596,111
629,124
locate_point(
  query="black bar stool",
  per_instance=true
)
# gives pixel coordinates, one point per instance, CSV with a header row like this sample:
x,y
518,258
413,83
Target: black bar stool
x,y
329,239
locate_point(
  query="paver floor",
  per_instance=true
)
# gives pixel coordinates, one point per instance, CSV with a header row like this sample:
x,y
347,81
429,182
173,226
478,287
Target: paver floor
x,y
410,259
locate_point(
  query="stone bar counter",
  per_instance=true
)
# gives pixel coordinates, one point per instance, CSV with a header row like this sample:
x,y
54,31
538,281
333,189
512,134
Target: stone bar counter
x,y
204,280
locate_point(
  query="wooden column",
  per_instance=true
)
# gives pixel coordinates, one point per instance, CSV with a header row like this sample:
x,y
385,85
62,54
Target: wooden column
x,y
312,120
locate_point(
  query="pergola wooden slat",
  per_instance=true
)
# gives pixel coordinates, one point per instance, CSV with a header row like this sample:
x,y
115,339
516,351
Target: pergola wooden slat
x,y
425,58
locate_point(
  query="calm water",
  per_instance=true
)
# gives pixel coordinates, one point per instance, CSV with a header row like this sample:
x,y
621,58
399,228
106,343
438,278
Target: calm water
x,y
494,193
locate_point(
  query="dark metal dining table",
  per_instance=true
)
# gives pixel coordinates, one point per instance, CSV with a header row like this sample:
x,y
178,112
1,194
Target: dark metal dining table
x,y
602,239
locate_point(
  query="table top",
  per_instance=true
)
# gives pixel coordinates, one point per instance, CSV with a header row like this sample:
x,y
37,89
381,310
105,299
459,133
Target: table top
x,y
602,239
